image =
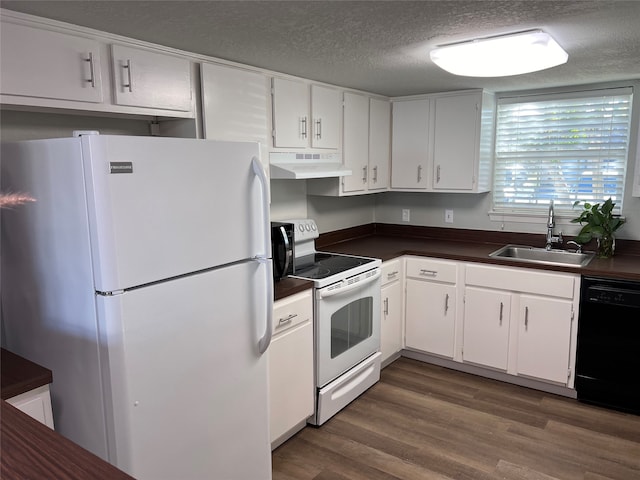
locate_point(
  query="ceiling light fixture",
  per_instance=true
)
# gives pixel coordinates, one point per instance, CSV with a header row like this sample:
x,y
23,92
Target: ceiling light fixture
x,y
501,56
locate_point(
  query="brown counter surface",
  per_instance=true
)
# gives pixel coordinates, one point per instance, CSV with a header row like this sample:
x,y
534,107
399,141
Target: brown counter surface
x,y
289,286
30,450
386,243
20,375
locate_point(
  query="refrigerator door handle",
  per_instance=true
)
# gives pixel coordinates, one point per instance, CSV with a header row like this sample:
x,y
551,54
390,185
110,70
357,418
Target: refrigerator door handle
x,y
264,342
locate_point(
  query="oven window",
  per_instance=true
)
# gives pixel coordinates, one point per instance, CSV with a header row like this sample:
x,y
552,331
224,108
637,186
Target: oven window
x,y
351,325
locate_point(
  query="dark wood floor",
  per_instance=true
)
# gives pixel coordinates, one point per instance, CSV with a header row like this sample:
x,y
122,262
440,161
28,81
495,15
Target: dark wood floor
x,y
426,422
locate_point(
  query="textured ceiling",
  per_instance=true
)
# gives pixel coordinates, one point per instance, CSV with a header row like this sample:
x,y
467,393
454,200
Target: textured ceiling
x,y
377,46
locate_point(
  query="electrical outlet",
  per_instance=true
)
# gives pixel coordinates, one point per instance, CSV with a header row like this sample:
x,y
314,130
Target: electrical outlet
x,y
448,216
406,214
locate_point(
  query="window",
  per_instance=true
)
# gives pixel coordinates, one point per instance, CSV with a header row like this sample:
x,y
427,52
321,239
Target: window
x,y
562,148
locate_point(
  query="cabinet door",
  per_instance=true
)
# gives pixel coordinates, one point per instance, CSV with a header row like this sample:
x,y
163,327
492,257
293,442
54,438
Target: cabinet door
x,y
486,327
45,64
291,384
356,142
391,328
409,145
290,114
235,104
379,144
430,317
544,338
151,80
455,141
326,109
290,379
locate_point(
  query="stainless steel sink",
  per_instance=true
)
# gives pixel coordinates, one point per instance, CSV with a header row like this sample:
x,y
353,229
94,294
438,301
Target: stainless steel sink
x,y
522,253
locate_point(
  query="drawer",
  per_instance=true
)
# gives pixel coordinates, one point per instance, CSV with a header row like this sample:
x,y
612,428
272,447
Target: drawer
x,y
431,269
391,271
521,280
291,311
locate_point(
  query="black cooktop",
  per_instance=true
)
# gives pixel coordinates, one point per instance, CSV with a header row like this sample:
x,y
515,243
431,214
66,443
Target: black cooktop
x,y
322,265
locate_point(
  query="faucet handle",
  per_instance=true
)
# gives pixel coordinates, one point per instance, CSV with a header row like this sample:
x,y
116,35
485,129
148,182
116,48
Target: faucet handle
x,y
578,246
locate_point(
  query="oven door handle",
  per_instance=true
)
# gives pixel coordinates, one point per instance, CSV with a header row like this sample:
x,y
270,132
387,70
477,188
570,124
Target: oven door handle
x,y
339,291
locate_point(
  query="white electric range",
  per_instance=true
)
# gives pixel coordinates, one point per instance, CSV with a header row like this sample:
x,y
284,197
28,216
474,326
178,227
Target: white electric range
x,y
346,320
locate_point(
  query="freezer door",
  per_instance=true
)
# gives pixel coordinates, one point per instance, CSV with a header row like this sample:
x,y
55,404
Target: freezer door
x,y
187,385
162,207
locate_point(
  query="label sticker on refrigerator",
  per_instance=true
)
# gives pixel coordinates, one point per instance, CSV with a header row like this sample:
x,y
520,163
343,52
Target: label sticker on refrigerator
x,y
121,167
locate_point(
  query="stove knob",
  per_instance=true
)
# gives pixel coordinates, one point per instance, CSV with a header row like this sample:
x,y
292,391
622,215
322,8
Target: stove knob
x,y
313,227
307,227
301,227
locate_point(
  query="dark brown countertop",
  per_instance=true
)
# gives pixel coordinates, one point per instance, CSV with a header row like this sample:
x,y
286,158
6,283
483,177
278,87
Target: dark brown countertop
x,y
390,241
30,450
289,286
20,375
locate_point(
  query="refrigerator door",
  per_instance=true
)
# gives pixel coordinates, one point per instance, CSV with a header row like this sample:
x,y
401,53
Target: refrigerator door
x,y
163,207
187,387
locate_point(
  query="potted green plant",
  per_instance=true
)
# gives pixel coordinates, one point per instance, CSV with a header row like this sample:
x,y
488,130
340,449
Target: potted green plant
x,y
599,222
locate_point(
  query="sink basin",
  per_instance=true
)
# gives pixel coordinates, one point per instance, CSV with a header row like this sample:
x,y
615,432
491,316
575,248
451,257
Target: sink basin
x,y
521,253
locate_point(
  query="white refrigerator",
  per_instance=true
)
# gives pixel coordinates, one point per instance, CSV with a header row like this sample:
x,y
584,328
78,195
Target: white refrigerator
x,y
141,276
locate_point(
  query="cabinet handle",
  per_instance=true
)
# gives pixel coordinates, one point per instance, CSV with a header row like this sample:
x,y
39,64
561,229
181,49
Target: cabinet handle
x,y
303,127
386,306
446,303
419,173
501,310
375,174
428,273
319,129
526,318
286,320
92,73
438,174
392,274
364,174
127,67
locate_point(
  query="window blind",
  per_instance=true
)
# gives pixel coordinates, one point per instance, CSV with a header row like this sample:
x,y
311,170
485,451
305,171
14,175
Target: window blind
x,y
566,148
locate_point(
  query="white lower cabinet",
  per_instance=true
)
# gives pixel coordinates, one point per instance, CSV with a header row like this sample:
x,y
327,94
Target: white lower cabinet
x,y
391,304
486,327
291,385
36,403
521,321
544,338
431,306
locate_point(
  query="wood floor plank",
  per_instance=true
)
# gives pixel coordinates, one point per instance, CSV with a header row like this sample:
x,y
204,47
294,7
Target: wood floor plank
x,y
427,422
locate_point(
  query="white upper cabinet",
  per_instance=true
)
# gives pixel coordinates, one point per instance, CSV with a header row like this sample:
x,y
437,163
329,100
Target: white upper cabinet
x,y
305,116
48,65
443,142
379,144
409,145
235,104
147,79
356,142
325,111
366,148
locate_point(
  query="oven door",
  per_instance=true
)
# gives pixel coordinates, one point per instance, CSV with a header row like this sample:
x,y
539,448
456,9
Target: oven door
x,y
347,324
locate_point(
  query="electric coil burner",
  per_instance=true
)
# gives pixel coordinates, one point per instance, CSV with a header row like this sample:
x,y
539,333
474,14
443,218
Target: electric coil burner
x,y
346,320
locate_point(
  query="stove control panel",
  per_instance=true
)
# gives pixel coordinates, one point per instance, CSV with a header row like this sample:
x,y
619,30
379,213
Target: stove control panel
x,y
305,229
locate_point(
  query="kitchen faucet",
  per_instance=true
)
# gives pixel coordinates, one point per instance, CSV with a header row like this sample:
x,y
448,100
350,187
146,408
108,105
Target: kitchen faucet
x,y
551,222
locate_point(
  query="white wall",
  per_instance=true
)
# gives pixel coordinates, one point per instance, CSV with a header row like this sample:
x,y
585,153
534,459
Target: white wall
x,y
17,125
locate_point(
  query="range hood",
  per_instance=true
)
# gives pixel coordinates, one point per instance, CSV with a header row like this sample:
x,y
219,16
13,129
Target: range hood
x,y
292,165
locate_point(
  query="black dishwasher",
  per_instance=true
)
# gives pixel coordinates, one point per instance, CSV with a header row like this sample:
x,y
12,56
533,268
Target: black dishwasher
x,y
608,355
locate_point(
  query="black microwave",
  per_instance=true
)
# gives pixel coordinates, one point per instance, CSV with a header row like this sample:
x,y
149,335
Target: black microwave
x,y
282,248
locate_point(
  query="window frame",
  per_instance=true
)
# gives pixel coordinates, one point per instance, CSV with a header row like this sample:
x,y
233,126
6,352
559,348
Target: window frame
x,y
537,215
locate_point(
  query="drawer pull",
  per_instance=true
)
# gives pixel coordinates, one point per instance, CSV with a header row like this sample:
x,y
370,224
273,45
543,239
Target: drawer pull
x,y
428,273
392,274
287,320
